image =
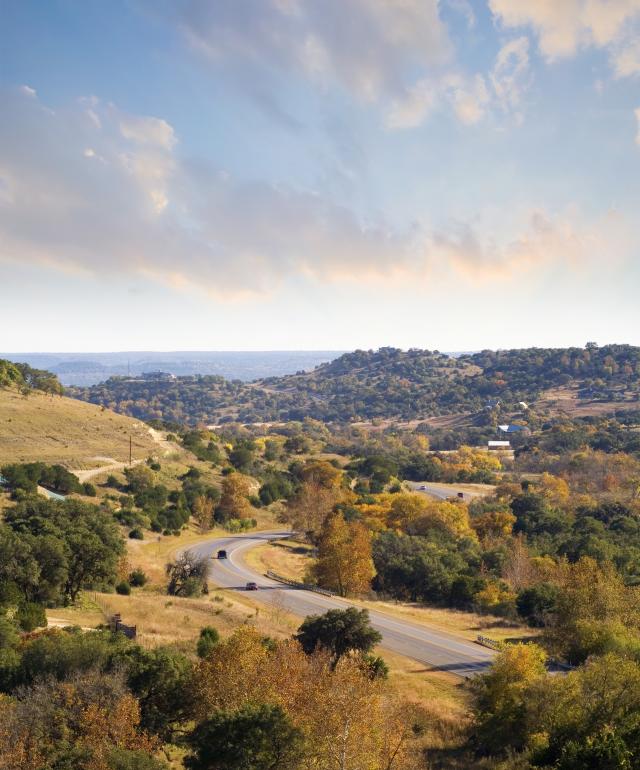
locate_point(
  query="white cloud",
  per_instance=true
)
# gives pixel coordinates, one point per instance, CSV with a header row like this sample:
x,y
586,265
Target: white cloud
x,y
564,27
144,211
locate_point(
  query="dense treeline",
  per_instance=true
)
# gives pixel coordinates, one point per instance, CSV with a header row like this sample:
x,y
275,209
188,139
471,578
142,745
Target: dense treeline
x,y
388,383
50,551
26,378
24,478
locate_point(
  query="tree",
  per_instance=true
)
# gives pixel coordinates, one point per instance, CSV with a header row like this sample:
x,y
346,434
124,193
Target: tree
x,y
416,568
537,604
344,560
234,502
338,632
255,737
241,457
493,524
74,724
321,490
140,478
162,681
202,512
501,696
595,612
348,717
589,716
187,575
82,546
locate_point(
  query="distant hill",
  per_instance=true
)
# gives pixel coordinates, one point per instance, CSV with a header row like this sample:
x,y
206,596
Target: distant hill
x,y
91,368
387,383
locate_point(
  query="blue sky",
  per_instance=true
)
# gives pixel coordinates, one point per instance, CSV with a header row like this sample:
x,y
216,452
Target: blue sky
x,y
299,174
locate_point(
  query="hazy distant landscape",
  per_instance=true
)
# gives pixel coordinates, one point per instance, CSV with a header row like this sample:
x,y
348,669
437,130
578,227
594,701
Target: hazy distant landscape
x,y
92,368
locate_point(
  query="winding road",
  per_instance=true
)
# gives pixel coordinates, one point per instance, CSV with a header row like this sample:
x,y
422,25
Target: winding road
x,y
432,647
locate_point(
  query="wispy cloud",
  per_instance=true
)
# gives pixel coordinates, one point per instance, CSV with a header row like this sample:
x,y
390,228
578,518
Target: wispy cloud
x,y
368,47
90,188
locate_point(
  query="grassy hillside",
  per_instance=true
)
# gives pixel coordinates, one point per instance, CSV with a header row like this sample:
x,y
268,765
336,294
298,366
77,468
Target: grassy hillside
x,y
56,429
388,383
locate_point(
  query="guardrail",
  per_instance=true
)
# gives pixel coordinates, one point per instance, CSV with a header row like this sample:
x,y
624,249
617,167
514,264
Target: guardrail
x,y
296,584
493,644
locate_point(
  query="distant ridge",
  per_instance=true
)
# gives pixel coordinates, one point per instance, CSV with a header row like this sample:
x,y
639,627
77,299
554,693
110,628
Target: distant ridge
x,y
87,369
390,384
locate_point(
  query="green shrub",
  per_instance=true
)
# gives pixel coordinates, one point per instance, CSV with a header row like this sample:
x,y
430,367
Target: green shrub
x,y
209,638
30,616
136,534
123,588
137,578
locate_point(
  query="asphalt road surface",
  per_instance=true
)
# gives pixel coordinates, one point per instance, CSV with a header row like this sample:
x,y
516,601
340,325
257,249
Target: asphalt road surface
x,y
431,647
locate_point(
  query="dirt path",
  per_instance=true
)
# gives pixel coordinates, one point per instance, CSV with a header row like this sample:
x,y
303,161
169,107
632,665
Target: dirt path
x,y
83,476
115,465
167,446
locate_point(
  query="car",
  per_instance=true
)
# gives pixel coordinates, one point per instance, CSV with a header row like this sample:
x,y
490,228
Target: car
x,y
251,586
422,487
222,554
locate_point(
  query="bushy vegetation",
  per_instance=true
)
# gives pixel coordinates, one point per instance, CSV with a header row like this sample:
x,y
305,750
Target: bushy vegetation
x,y
96,700
27,378
24,478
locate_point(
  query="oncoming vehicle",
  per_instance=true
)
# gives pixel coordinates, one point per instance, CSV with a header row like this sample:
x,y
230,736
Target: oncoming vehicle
x,y
222,554
251,586
422,487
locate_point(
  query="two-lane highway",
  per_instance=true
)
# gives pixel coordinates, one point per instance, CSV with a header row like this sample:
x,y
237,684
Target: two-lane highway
x,y
429,646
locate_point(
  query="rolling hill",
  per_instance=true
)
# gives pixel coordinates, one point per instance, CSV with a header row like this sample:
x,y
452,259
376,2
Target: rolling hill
x,y
389,384
56,429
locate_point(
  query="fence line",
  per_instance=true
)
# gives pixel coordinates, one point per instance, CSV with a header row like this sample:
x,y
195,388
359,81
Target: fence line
x,y
296,584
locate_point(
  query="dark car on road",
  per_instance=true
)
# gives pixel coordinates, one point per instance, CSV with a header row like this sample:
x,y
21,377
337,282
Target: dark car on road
x,y
222,554
251,586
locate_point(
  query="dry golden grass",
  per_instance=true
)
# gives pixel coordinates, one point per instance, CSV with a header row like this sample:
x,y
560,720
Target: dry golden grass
x,y
444,697
55,429
162,619
284,557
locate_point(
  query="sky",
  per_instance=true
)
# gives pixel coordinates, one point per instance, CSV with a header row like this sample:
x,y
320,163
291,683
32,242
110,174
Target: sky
x,y
318,174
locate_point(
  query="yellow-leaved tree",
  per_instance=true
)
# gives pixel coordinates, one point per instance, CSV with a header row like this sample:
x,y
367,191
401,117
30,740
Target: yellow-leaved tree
x,y
344,563
234,501
321,490
349,720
